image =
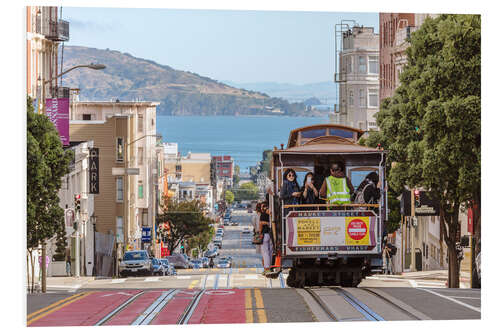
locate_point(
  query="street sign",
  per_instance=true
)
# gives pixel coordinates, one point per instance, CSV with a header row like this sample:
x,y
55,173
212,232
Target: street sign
x,y
146,234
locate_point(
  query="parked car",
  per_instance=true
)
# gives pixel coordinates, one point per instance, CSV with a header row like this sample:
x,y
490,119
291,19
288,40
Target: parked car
x,y
228,258
219,233
205,261
212,253
178,260
234,223
223,264
246,231
218,243
169,269
226,221
158,268
197,263
134,263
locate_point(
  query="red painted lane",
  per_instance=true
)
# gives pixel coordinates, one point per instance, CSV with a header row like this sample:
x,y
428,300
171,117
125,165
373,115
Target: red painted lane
x,y
221,306
86,311
174,309
134,309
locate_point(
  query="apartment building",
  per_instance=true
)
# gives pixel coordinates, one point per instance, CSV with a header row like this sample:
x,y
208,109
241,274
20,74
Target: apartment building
x,y
357,73
224,169
127,133
190,177
45,31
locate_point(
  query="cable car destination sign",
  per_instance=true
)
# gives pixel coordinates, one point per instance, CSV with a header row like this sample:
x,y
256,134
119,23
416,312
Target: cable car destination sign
x,y
320,231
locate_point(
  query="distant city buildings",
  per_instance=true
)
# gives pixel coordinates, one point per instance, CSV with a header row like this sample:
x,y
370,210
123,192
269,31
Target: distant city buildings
x,y
224,169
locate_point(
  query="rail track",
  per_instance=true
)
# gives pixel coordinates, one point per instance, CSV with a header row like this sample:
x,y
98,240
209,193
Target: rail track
x,y
361,310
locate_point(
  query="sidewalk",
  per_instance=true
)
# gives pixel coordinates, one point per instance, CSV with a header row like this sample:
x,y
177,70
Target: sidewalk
x,y
441,275
64,283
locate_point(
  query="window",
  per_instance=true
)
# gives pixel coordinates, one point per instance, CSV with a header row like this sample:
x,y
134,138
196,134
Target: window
x,y
87,116
140,123
362,64
313,133
362,98
119,189
140,155
119,149
141,190
341,133
351,97
348,61
119,229
372,124
372,98
373,64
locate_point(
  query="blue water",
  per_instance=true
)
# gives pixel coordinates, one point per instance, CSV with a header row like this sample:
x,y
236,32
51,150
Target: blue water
x,y
244,138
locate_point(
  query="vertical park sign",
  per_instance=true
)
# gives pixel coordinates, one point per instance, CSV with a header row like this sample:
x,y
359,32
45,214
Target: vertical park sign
x,y
94,171
57,109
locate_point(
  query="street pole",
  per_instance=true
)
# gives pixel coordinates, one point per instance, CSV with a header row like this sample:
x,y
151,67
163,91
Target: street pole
x,y
77,245
412,233
44,270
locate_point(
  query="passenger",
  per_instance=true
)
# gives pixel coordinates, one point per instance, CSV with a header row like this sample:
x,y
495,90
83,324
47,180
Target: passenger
x,y
290,191
368,191
256,226
309,192
337,187
267,243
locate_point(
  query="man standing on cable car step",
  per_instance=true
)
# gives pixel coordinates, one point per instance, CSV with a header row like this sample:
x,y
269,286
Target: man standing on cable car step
x,y
337,187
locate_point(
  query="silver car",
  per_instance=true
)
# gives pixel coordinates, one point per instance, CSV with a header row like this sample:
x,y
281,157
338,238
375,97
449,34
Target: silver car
x,y
135,262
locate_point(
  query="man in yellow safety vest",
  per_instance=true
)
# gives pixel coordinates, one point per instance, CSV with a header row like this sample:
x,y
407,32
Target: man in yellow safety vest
x,y
337,187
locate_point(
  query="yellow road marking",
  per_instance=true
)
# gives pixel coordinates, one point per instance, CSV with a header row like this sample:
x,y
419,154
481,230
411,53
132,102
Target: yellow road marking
x,y
248,306
192,284
53,304
259,304
57,308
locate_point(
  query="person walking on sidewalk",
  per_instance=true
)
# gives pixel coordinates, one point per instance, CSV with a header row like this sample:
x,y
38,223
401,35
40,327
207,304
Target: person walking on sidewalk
x,y
68,262
387,258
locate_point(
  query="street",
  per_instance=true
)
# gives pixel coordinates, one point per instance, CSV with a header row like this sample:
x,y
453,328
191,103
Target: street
x,y
241,294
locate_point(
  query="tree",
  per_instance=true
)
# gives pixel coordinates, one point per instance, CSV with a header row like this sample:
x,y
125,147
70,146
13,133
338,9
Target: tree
x,y
247,191
201,241
236,176
185,219
265,164
47,163
433,122
229,197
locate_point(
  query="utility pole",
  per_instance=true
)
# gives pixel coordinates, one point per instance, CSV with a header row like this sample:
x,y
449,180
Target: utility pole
x,y
77,245
412,232
44,269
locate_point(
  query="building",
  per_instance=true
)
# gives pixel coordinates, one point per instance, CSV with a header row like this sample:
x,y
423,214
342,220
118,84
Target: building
x,y
357,74
125,133
45,31
190,177
224,169
395,28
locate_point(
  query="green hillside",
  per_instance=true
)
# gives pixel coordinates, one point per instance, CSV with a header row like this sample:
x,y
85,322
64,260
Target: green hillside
x,y
180,93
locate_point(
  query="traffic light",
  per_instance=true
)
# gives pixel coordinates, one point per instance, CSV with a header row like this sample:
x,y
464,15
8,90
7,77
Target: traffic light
x,y
77,202
418,203
182,248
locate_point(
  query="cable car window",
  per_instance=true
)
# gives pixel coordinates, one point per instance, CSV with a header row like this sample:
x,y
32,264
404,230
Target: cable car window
x,y
341,133
314,133
357,175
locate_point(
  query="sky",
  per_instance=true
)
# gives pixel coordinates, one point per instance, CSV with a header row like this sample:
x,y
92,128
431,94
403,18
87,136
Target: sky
x,y
225,45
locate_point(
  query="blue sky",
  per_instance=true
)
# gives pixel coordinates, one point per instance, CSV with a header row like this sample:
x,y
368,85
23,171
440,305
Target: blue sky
x,y
238,46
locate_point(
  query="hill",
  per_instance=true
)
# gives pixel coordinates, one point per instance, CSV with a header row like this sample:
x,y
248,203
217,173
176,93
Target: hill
x,y
180,92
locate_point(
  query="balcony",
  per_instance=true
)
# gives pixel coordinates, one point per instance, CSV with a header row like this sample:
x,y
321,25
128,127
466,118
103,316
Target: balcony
x,y
57,31
60,92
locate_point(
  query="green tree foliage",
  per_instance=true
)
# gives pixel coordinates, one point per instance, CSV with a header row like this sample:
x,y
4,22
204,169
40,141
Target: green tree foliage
x,y
229,197
236,176
47,162
265,164
201,240
185,219
432,125
247,191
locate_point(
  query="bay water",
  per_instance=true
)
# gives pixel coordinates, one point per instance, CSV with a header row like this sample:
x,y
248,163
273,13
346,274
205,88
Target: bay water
x,y
242,137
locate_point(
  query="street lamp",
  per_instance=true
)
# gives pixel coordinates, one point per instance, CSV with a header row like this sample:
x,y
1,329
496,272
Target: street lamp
x,y
91,66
